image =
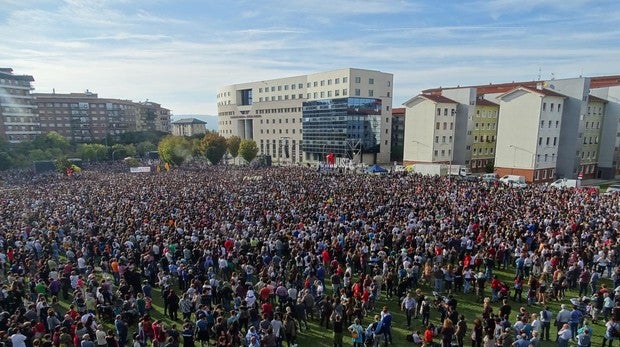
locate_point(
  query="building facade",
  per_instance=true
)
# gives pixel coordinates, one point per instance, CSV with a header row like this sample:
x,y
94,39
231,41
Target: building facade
x,y
84,117
188,127
532,150
429,129
398,134
609,145
19,120
303,118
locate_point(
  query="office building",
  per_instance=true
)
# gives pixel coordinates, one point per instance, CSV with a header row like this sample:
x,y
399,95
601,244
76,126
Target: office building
x,y
297,119
18,115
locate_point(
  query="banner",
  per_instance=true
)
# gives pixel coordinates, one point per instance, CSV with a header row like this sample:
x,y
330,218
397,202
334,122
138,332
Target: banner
x,y
140,169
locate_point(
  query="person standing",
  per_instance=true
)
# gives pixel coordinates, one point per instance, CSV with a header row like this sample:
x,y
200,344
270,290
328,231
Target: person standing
x,y
408,305
612,328
562,318
338,329
564,335
583,339
121,330
461,330
356,331
545,323
386,320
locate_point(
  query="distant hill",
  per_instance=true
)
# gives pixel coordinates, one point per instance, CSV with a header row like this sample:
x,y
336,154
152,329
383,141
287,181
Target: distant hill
x,y
211,120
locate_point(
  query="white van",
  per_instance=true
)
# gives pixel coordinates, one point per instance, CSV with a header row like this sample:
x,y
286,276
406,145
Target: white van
x,y
510,179
565,183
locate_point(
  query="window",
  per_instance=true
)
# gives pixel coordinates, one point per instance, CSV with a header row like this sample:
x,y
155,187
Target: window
x,y
337,81
555,141
540,141
292,86
549,124
557,123
559,105
468,148
279,88
544,106
439,112
358,80
548,139
344,91
443,139
371,92
358,92
371,81
551,107
542,123
300,85
322,94
451,126
443,152
322,83
345,79
437,126
337,92
329,93
445,111
445,126
436,152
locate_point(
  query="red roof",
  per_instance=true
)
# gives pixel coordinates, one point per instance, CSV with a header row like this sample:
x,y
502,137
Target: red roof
x,y
399,111
595,82
545,92
485,102
438,98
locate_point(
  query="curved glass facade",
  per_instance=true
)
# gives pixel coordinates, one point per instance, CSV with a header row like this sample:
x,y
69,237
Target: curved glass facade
x,y
341,126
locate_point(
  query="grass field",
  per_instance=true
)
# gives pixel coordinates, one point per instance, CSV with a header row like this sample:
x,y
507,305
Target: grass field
x,y
467,305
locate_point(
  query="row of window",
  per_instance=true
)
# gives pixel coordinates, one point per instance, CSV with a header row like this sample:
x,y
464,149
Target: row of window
x,y
588,155
551,107
273,121
481,151
543,174
273,131
445,126
542,124
452,111
481,126
486,113
484,138
443,138
548,141
279,110
443,153
595,110
11,82
592,140
591,125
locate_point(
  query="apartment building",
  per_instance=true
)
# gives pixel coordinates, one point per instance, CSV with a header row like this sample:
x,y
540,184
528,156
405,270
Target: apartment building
x,y
189,127
297,119
18,114
84,117
484,135
398,134
429,129
609,145
528,133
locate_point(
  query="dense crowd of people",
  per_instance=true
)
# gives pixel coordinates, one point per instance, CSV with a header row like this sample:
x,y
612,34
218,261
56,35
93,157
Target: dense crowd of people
x,y
241,257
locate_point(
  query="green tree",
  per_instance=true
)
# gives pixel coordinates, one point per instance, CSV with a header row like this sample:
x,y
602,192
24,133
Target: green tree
x,y
248,150
490,167
213,146
52,139
174,149
144,147
232,144
6,162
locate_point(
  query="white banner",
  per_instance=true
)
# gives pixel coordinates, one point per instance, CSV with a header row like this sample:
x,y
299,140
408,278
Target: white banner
x,y
140,169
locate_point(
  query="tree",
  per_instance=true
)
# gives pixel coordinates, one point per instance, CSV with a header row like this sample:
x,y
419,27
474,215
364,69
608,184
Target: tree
x,y
248,150
144,147
490,167
6,162
232,144
213,146
174,149
52,139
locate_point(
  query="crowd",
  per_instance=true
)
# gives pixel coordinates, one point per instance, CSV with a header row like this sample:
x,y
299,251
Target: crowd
x,y
246,257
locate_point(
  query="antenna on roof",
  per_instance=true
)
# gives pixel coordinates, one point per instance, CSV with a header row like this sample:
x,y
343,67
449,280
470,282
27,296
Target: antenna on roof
x,y
538,77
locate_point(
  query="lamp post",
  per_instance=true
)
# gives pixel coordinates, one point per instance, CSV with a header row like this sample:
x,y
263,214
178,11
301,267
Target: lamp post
x,y
514,157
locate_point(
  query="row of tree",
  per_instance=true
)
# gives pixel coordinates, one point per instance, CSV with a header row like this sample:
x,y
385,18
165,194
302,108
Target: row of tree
x,y
176,149
172,149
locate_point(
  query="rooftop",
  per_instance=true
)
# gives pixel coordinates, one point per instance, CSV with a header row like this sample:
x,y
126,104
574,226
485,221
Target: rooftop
x,y
485,102
189,121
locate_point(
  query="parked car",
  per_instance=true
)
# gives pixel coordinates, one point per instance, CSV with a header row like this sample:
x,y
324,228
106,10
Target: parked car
x,y
613,188
515,183
489,177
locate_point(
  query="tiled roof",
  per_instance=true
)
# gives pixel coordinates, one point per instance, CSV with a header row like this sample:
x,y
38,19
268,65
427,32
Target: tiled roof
x,y
189,121
485,102
438,98
543,91
399,111
596,99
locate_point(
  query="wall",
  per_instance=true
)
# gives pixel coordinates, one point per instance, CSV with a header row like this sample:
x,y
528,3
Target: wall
x,y
608,155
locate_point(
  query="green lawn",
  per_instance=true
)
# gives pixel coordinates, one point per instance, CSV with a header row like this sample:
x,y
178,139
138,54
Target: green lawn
x,y
467,305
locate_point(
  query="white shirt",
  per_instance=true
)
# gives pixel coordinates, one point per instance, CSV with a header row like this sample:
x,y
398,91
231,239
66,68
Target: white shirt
x,y
18,340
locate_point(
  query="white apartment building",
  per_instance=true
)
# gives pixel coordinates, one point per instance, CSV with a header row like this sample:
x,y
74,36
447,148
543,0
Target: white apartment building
x,y
19,120
528,133
303,118
609,145
188,127
429,129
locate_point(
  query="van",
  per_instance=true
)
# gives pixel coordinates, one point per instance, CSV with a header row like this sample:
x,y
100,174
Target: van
x,y
565,183
510,179
489,177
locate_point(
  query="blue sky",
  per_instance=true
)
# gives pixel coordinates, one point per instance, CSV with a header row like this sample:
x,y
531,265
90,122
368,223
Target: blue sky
x,y
179,52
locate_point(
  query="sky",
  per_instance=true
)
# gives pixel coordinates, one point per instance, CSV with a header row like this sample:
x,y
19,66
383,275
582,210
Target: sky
x,y
178,53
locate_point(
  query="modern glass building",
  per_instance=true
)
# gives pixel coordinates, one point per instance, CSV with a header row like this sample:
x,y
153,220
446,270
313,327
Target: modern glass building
x,y
343,126
300,119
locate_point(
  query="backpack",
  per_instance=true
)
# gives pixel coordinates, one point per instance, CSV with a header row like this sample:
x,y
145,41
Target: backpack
x,y
545,315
